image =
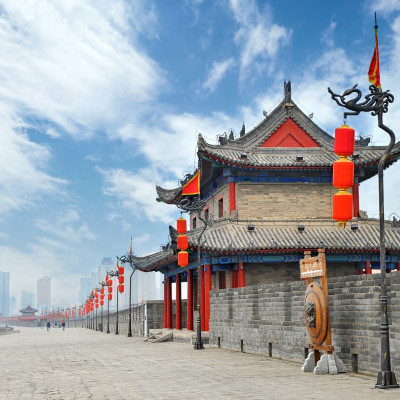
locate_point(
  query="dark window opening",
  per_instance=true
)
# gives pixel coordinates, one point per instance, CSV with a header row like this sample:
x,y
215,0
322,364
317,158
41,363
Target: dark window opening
x,y
220,208
194,223
206,214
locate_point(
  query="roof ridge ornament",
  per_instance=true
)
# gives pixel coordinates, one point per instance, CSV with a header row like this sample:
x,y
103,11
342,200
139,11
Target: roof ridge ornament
x,y
287,87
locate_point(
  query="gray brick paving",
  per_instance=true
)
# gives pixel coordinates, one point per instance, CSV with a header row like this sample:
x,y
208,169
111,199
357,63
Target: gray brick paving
x,y
83,364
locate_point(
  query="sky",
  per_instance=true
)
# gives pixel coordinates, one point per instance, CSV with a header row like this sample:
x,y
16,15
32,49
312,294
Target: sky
x,y
100,101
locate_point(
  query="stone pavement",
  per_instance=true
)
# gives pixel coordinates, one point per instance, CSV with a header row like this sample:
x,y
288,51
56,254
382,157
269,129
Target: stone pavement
x,y
84,364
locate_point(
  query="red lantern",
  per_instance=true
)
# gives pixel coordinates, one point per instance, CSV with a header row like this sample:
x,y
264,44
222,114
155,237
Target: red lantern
x,y
101,297
102,303
121,279
344,141
343,173
183,258
183,243
102,291
109,296
181,225
110,289
342,207
120,270
110,282
106,277
121,288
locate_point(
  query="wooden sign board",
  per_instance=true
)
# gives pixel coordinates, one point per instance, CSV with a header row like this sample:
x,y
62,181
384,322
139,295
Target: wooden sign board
x,y
313,266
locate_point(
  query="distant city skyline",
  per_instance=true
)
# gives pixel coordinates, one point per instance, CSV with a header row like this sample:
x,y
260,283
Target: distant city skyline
x,y
5,293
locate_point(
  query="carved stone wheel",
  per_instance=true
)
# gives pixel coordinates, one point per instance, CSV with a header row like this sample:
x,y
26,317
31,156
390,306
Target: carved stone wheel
x,y
316,313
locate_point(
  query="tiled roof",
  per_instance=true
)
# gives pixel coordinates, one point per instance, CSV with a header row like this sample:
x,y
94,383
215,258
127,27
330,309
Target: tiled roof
x,y
152,261
257,156
28,310
168,195
231,237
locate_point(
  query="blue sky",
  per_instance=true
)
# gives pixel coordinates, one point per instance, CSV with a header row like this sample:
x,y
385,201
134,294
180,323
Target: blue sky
x,y
100,101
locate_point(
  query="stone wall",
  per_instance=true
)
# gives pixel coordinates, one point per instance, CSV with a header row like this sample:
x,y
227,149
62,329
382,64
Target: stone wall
x,y
274,200
146,316
269,319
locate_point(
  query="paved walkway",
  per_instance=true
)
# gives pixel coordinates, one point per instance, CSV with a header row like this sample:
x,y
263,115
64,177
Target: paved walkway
x,y
83,364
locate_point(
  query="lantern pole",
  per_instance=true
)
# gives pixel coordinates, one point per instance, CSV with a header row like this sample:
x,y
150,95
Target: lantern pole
x,y
129,259
115,274
377,103
195,204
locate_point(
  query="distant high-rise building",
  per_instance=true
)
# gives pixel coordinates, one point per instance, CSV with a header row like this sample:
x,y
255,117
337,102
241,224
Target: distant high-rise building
x,y
85,289
27,299
5,293
43,293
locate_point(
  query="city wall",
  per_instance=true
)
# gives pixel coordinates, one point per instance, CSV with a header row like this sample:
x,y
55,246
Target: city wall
x,y
268,319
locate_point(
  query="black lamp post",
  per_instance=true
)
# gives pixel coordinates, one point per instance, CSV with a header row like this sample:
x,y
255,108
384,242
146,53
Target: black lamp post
x,y
195,204
376,103
115,274
129,260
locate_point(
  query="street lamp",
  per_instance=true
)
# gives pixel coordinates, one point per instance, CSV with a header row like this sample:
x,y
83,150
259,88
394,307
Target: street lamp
x,y
195,204
119,273
129,260
376,103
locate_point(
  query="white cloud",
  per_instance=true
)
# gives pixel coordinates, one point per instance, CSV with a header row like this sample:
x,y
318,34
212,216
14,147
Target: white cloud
x,y
136,193
327,36
216,73
258,37
67,226
22,166
75,61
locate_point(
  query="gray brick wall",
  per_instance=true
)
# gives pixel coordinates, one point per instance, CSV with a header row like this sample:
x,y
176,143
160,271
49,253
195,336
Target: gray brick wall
x,y
269,319
155,318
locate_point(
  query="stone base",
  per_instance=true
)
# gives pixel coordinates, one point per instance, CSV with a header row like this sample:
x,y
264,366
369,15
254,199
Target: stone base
x,y
328,364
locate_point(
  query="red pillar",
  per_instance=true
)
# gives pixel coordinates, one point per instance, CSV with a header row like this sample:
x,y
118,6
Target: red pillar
x,y
208,287
359,271
189,311
368,268
234,279
232,196
169,304
178,317
356,199
165,302
202,299
241,280
398,266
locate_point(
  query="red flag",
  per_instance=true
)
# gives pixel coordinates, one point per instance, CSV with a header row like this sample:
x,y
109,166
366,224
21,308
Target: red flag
x,y
130,249
373,73
193,186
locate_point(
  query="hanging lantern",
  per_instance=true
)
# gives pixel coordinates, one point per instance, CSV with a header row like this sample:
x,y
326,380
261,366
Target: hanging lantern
x,y
102,303
110,282
121,288
109,296
102,291
110,289
183,258
101,297
181,226
342,207
120,270
121,279
183,242
343,173
344,141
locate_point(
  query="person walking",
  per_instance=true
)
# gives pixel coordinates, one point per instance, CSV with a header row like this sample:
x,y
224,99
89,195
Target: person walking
x,y
63,325
48,326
